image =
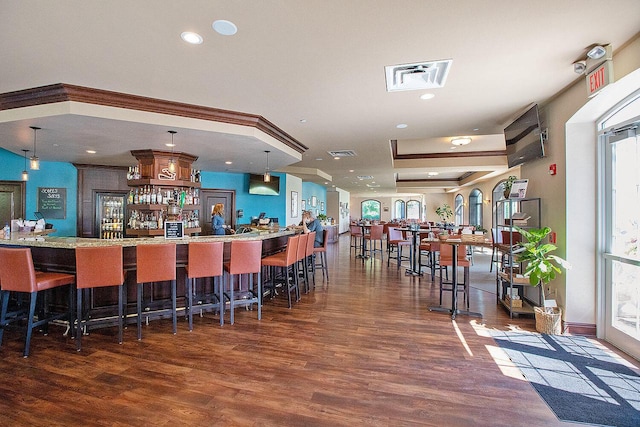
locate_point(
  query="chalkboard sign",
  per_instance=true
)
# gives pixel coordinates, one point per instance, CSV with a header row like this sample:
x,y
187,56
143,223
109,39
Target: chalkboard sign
x,y
173,230
52,202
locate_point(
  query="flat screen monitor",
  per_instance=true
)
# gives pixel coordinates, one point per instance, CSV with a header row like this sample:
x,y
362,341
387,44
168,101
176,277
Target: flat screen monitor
x,y
524,138
258,186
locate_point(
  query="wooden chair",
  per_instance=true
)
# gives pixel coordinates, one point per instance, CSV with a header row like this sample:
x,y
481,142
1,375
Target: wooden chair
x,y
321,257
397,241
156,262
446,260
17,274
205,260
286,261
98,267
245,259
375,235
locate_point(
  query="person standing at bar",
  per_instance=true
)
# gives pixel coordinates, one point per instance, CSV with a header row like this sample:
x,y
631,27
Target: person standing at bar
x,y
217,221
309,224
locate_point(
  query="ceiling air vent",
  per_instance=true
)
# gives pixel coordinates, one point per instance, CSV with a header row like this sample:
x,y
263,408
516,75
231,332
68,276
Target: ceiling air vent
x,y
342,153
362,177
418,76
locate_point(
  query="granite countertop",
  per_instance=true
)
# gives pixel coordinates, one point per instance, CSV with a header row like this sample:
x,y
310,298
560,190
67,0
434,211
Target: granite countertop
x,y
74,242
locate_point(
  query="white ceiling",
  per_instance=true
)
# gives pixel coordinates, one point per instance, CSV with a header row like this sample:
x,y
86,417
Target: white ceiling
x,y
321,61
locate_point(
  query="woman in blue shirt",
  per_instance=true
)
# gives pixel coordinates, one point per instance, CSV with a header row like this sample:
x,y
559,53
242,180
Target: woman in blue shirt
x,y
217,220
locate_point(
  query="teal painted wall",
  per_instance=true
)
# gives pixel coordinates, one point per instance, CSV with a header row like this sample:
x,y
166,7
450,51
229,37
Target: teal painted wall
x,y
251,204
51,174
310,189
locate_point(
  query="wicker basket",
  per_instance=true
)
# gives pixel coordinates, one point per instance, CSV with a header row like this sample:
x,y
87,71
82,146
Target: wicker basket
x,y
548,323
472,238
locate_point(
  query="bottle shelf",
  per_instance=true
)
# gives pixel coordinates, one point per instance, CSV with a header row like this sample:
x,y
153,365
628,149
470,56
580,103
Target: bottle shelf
x,y
162,183
158,207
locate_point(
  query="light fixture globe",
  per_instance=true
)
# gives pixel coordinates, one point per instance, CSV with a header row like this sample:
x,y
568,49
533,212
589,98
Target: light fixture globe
x,y
267,172
25,172
172,163
461,141
34,161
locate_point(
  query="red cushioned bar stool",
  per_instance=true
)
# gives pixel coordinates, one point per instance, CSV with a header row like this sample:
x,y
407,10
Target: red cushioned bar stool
x,y
245,259
205,260
17,274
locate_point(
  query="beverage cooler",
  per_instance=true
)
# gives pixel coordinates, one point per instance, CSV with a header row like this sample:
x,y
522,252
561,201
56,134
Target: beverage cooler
x,y
110,213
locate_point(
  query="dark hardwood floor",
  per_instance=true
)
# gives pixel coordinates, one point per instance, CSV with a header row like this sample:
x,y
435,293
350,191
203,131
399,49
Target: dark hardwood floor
x,y
360,350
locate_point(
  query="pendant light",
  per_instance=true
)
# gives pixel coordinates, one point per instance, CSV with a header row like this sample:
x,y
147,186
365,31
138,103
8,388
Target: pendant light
x,y
172,163
34,161
25,173
267,174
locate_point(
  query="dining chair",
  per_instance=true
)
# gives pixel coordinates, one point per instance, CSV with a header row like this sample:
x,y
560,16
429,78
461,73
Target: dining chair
x,y
205,260
97,267
446,260
356,239
375,236
397,241
245,259
18,275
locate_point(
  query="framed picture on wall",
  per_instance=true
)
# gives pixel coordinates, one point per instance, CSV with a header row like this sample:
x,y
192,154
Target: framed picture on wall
x,y
294,204
314,201
303,205
321,206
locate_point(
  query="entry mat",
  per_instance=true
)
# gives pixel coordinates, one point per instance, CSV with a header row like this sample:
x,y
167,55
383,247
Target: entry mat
x,y
580,379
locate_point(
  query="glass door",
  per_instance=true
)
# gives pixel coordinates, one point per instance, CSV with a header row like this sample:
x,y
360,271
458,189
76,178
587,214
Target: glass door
x,y
622,236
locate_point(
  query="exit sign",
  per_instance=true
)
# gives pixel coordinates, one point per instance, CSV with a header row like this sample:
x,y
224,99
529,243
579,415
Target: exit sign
x,y
599,78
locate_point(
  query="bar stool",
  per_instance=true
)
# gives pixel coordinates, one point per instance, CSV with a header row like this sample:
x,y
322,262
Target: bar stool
x,y
375,235
98,267
308,260
396,240
17,274
286,261
205,260
156,263
301,255
321,252
245,259
356,239
446,260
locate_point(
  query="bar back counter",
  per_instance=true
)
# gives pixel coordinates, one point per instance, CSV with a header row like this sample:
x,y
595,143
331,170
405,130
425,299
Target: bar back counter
x,y
58,254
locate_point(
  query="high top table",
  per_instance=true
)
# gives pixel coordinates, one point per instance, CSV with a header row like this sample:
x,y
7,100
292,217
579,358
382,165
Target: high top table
x,y
454,311
414,269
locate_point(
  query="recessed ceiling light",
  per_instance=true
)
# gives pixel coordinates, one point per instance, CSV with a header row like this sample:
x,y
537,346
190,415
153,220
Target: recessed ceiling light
x,y
190,37
452,148
351,170
336,158
432,173
476,129
318,158
224,27
228,162
402,125
461,141
326,183
91,151
427,96
168,144
303,120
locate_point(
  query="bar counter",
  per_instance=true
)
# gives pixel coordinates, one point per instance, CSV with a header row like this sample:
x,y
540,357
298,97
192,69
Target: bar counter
x,y
58,254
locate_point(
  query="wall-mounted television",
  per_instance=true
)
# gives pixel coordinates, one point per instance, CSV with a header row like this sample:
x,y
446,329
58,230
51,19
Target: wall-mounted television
x,y
524,138
258,186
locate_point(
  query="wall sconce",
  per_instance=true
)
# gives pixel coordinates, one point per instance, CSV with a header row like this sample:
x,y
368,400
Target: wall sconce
x,y
34,162
267,174
25,173
172,163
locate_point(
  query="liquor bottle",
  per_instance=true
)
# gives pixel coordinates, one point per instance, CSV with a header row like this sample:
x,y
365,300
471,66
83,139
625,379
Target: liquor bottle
x,y
154,196
159,196
136,198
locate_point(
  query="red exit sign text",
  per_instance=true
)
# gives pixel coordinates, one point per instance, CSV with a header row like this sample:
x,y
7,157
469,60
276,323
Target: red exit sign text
x,y
599,78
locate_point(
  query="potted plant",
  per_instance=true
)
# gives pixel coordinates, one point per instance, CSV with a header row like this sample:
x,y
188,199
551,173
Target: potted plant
x,y
541,267
444,212
507,185
479,230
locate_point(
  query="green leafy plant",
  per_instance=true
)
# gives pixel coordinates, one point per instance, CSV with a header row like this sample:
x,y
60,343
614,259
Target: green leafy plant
x,y
541,266
480,229
322,217
508,184
444,212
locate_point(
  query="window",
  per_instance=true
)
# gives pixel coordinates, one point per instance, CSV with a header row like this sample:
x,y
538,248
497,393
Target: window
x,y
502,210
399,209
371,210
475,207
459,210
413,209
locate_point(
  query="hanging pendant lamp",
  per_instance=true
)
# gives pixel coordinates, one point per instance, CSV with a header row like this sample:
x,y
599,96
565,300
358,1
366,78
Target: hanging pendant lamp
x,y
172,163
25,173
267,173
34,161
